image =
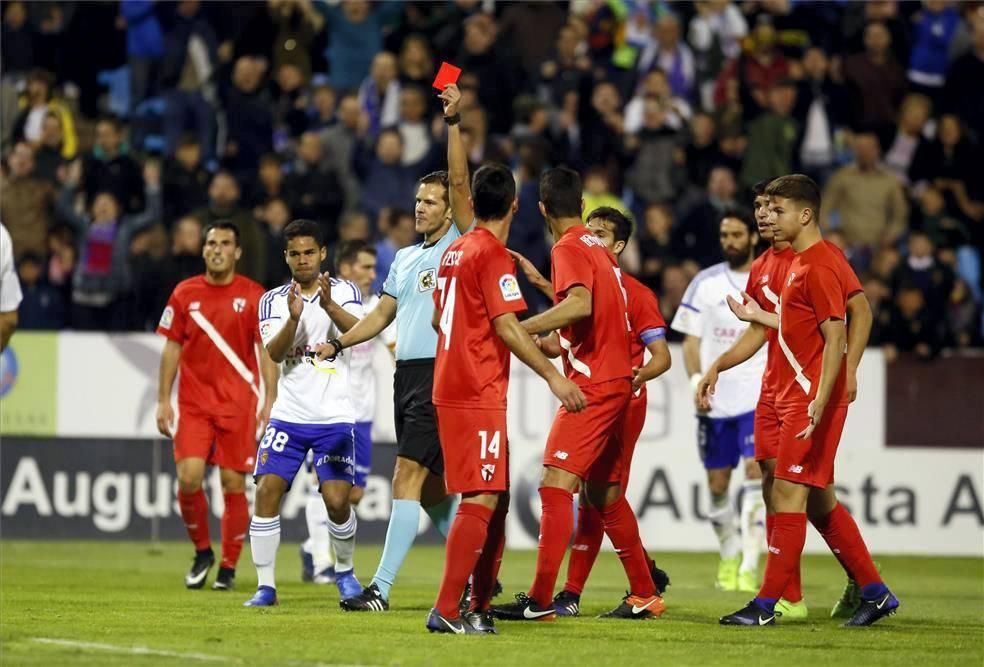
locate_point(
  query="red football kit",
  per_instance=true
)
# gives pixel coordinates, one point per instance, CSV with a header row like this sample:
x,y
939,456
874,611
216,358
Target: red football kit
x,y
219,371
595,352
475,285
817,288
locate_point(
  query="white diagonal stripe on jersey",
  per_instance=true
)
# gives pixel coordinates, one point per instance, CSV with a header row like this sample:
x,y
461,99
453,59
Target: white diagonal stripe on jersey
x,y
576,363
801,379
226,350
771,296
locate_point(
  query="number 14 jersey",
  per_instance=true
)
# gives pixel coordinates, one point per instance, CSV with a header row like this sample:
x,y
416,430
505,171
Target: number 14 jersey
x,y
475,285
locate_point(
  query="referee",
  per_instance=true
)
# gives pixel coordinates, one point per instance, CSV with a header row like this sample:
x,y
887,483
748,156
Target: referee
x,y
407,297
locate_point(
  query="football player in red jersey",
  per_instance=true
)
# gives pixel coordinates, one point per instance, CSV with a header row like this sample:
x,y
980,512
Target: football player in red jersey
x,y
585,447
812,397
648,332
212,337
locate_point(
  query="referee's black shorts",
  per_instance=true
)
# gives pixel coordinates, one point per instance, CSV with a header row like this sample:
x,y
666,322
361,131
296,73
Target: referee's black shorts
x,y
416,423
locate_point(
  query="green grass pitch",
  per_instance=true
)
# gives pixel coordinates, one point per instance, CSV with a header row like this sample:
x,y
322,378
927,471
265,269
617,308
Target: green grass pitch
x,y
124,604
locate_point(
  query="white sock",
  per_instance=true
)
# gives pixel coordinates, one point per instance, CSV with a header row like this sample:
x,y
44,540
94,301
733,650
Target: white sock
x,y
725,523
752,524
319,542
264,538
343,542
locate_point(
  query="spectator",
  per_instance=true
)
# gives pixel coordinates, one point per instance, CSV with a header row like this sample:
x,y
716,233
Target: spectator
x,y
43,306
864,199
379,94
250,121
101,281
185,180
528,30
715,35
933,28
271,183
339,142
655,244
26,204
963,317
756,71
109,168
295,23
943,230
313,189
187,78
223,204
392,183
322,115
416,62
656,86
963,93
696,237
49,158
413,126
62,258
144,48
564,71
923,271
880,299
601,125
875,79
909,141
654,174
499,79
702,152
951,163
772,137
398,232
276,215
353,227
355,36
18,40
912,327
821,110
39,102
598,192
666,50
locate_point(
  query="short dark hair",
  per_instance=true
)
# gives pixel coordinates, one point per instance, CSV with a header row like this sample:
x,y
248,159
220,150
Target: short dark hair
x,y
348,251
623,225
227,225
759,188
441,178
303,227
800,188
188,139
560,192
742,215
493,191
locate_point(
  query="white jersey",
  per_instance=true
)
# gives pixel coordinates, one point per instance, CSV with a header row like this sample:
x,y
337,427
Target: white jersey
x,y
311,391
10,289
705,313
362,376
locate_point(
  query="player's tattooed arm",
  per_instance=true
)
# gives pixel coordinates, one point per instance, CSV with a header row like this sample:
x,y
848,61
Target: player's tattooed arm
x,y
859,319
170,358
280,344
750,311
743,349
834,334
532,274
458,177
342,319
575,307
659,363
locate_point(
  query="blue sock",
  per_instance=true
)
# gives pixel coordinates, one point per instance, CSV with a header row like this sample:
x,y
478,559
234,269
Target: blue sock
x,y
768,604
442,514
874,591
400,534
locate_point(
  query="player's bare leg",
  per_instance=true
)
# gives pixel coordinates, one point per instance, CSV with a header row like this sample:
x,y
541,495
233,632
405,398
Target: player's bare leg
x,y
752,526
264,538
194,513
466,541
725,523
342,526
235,523
317,559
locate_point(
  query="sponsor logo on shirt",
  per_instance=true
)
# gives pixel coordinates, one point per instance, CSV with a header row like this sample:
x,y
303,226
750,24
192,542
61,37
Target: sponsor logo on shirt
x,y
509,288
427,280
167,317
239,304
488,471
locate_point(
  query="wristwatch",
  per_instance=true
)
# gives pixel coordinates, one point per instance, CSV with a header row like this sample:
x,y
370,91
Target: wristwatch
x,y
334,342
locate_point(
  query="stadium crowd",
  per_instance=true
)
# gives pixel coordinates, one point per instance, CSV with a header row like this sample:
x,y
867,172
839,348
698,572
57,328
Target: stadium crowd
x,y
129,126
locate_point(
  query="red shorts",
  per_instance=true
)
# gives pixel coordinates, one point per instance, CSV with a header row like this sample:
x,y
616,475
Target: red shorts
x,y
810,461
228,442
635,419
475,448
589,443
767,425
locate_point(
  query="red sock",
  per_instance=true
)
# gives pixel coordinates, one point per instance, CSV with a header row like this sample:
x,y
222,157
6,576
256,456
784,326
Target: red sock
x,y
487,568
794,589
785,549
235,524
623,530
194,513
556,525
584,551
841,533
465,540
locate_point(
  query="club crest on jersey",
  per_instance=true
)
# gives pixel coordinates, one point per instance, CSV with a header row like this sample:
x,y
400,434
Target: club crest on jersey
x,y
239,304
263,458
509,288
765,279
167,317
488,471
427,280
790,281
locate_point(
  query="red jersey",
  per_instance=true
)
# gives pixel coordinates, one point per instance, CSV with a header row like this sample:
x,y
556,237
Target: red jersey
x,y
216,326
475,284
645,319
765,281
819,283
596,348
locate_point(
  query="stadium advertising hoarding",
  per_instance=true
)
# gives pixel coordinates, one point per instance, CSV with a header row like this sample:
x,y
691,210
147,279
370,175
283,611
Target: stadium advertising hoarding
x,y
106,472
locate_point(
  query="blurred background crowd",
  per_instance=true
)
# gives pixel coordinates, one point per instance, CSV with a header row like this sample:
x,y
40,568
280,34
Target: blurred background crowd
x,y
129,125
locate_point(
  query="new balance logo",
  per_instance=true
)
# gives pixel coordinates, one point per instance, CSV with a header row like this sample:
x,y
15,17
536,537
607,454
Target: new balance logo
x,y
561,455
773,549
795,469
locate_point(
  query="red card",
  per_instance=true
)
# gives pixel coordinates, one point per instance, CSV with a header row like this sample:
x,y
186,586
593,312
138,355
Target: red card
x,y
447,75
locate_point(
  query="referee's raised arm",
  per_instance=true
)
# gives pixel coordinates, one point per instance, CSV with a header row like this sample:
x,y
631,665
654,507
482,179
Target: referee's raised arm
x,y
459,187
